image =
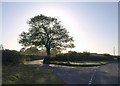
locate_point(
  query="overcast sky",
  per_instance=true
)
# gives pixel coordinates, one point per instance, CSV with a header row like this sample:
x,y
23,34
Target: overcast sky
x,y
93,25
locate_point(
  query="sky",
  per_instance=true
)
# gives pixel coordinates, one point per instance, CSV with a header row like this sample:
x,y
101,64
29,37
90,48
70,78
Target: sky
x,y
93,25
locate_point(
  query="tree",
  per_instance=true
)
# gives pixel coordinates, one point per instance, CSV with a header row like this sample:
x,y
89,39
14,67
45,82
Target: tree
x,y
46,32
43,52
31,50
54,52
22,50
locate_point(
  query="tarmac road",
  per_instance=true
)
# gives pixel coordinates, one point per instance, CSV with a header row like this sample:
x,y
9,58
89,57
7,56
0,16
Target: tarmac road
x,y
105,74
73,75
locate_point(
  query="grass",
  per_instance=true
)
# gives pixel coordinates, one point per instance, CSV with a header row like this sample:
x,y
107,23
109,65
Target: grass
x,y
28,75
82,63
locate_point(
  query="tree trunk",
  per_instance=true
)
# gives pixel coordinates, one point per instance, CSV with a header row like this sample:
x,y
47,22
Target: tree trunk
x,y
47,58
48,52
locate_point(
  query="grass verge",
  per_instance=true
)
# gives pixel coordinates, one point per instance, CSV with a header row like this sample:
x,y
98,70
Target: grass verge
x,y
82,63
24,74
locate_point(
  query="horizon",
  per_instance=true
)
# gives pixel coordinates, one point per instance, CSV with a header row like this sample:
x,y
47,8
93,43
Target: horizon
x,y
63,52
94,23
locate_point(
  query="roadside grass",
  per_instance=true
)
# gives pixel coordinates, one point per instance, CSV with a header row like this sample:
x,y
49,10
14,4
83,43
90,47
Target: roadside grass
x,y
26,74
80,63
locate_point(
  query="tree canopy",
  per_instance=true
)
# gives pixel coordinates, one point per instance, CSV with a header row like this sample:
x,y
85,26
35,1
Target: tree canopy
x,y
46,32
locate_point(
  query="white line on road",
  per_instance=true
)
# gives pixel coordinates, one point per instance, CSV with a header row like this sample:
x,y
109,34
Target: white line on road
x,y
90,82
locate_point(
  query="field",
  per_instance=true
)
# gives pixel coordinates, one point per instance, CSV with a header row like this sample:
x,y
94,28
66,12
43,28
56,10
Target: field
x,y
28,75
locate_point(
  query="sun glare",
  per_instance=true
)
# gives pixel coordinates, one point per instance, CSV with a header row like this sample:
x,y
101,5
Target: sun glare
x,y
69,22
65,17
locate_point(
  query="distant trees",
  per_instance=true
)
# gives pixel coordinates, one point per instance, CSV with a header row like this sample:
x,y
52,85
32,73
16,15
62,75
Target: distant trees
x,y
54,52
31,50
43,52
36,51
46,32
22,50
106,54
72,52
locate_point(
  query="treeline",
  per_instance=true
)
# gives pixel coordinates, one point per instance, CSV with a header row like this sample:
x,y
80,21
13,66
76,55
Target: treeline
x,y
15,57
85,56
36,51
19,57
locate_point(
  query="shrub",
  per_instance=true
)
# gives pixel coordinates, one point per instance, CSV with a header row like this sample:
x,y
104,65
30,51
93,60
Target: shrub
x,y
86,54
105,54
72,52
11,57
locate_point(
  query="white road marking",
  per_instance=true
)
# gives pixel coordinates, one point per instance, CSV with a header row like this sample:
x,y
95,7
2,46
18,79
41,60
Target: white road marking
x,y
90,82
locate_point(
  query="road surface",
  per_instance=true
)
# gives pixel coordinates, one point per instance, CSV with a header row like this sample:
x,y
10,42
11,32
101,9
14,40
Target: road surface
x,y
105,74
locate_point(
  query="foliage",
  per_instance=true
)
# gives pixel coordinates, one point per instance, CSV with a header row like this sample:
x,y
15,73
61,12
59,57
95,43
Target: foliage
x,y
72,52
86,53
43,52
11,57
54,52
46,32
73,57
22,50
105,54
31,51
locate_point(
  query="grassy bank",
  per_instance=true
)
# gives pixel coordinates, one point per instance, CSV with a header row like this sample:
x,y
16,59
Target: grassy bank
x,y
28,75
82,63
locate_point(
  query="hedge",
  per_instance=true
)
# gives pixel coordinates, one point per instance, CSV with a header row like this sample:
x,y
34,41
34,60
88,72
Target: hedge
x,y
82,57
11,57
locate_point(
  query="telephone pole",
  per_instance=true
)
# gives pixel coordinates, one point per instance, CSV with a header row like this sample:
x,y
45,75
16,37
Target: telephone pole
x,y
114,50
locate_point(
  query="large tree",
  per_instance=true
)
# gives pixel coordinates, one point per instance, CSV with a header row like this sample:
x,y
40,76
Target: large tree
x,y
46,32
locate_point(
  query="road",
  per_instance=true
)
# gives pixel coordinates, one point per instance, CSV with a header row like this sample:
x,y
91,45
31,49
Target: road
x,y
105,74
74,75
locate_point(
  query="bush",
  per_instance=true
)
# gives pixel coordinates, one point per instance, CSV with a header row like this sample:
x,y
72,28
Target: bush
x,y
86,54
11,57
72,52
105,54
